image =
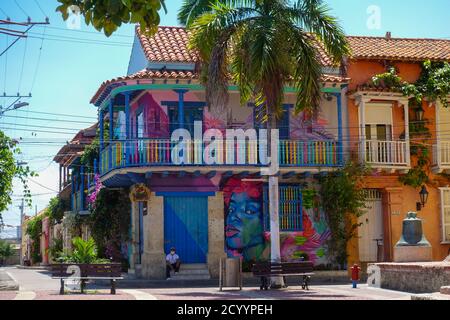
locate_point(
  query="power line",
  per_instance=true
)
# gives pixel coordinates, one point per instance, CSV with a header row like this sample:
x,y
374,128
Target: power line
x,y
59,114
21,9
23,64
40,8
41,131
38,61
42,127
92,32
6,15
47,119
84,42
39,184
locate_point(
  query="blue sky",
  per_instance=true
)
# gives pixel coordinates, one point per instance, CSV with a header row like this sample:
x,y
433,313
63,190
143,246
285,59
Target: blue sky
x,y
73,63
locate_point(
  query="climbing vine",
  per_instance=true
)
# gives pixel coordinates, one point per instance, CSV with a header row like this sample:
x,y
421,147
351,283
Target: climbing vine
x,y
34,230
343,201
110,221
434,85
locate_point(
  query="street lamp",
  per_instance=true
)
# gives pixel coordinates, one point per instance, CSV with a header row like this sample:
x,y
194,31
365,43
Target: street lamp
x,y
423,198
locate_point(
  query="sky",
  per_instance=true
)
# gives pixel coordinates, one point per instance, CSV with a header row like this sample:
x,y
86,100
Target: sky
x,y
63,68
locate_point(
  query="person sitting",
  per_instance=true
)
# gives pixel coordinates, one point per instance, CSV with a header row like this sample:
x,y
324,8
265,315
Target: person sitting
x,y
172,262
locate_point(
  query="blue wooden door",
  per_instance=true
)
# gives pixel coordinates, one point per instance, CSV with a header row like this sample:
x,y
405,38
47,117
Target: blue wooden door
x,y
186,227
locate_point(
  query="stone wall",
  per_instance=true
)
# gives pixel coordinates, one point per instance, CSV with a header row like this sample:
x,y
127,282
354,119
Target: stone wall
x,y
424,277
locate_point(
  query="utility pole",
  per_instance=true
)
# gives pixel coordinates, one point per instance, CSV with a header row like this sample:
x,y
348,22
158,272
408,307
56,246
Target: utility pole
x,y
18,33
22,217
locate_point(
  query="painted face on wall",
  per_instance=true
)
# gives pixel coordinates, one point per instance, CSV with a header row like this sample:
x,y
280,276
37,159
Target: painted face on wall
x,y
244,225
244,231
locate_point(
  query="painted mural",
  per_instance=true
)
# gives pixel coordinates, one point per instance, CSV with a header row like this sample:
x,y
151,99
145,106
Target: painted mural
x,y
244,228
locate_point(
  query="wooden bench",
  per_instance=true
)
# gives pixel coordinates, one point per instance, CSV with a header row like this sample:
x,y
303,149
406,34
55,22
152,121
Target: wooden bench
x,y
265,270
85,272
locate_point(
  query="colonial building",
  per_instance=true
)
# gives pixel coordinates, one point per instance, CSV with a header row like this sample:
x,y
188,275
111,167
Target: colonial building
x,y
203,189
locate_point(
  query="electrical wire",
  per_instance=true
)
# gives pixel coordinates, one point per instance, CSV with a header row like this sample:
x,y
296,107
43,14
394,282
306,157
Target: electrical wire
x,y
90,32
41,185
47,119
6,15
21,9
38,61
40,8
23,64
58,114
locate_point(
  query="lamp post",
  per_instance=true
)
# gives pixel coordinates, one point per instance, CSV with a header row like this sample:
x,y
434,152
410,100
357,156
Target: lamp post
x,y
423,193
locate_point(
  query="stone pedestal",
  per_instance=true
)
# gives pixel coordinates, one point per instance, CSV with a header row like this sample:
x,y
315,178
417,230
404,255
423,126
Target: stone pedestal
x,y
413,253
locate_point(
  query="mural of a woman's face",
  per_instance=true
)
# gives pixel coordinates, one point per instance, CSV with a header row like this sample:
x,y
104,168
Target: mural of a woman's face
x,y
244,225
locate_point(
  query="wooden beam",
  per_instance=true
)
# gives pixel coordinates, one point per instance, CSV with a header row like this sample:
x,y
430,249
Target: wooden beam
x,y
244,174
211,174
165,174
288,175
227,174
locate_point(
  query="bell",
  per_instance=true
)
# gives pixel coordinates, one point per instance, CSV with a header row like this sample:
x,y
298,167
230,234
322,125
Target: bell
x,y
412,233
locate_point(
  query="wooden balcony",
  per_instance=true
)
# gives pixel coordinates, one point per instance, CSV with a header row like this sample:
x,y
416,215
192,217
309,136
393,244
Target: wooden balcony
x,y
159,153
385,154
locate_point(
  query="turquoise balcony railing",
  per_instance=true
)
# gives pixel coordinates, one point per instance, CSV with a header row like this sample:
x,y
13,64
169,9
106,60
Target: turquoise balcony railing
x,y
159,152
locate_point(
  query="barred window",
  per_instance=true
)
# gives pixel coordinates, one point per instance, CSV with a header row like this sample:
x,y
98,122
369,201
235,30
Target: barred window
x,y
290,208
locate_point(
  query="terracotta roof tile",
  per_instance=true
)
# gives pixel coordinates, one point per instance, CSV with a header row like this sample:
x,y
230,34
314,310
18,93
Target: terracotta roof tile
x,y
169,44
399,48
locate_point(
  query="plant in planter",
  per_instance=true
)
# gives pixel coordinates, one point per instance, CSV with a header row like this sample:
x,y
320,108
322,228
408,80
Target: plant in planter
x,y
84,252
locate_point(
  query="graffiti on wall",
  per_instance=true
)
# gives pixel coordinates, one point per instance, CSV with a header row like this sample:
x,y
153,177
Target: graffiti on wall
x,y
244,227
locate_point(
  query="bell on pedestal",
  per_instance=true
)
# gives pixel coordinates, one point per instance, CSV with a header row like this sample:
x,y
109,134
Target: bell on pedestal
x,y
412,233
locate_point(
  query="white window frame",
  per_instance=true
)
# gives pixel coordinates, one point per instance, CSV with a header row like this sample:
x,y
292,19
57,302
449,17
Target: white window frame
x,y
443,224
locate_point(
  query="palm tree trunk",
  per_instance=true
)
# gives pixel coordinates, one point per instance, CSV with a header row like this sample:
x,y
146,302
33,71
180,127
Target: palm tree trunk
x,y
275,251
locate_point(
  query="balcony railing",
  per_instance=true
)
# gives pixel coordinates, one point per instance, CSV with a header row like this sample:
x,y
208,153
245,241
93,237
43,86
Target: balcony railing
x,y
441,154
77,204
159,152
385,153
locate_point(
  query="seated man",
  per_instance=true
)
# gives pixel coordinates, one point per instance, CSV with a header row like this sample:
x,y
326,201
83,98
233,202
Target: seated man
x,y
172,262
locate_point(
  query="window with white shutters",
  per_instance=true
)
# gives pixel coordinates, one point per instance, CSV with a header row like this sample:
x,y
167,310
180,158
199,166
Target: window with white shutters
x,y
445,212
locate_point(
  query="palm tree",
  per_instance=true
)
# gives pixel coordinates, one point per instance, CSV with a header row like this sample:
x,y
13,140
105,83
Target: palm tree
x,y
262,46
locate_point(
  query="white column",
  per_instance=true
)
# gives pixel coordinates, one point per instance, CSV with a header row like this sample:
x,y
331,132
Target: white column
x,y
406,111
362,131
438,146
275,250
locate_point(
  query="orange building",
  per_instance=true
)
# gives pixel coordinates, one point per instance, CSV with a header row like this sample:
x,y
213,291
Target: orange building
x,y
380,122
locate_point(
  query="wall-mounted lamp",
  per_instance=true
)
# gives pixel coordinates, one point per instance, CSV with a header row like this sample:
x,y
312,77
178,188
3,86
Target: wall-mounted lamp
x,y
419,113
328,96
423,198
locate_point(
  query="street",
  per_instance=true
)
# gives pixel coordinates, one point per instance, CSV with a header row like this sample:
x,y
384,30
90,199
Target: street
x,y
37,284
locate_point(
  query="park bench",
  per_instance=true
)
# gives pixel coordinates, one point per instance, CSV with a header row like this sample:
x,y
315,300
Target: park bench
x,y
110,271
265,270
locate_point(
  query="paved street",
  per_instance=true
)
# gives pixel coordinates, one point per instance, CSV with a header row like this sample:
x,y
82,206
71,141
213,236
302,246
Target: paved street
x,y
38,285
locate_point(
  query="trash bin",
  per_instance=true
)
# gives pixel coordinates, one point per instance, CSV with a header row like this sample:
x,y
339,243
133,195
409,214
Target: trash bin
x,y
230,275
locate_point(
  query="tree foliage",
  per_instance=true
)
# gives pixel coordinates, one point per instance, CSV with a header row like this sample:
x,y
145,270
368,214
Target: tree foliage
x,y
55,209
108,15
263,45
6,251
9,169
343,201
